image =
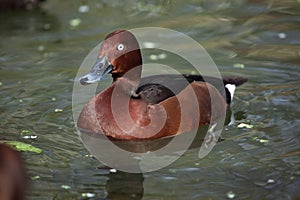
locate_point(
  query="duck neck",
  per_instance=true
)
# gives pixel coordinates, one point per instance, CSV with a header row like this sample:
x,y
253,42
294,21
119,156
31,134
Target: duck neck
x,y
128,82
133,75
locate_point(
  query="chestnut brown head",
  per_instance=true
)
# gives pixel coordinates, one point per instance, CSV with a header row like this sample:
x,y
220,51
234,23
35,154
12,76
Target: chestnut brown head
x,y
119,53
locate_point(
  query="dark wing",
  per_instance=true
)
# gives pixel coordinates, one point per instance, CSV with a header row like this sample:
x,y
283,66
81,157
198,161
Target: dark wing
x,y
157,88
154,93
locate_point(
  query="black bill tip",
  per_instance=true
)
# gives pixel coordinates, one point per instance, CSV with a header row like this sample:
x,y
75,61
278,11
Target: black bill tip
x,y
84,81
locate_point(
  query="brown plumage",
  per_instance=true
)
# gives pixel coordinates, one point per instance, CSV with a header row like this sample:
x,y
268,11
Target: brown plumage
x,y
136,109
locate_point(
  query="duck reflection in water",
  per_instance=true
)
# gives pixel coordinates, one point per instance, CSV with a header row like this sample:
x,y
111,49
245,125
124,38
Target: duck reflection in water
x,y
123,185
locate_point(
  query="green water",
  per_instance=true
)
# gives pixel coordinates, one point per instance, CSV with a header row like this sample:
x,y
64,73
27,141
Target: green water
x,y
40,53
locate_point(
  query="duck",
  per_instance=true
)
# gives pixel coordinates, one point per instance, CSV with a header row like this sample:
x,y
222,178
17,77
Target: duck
x,y
14,179
152,107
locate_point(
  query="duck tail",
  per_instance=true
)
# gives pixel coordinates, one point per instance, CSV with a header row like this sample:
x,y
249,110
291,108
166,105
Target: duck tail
x,y
234,80
230,84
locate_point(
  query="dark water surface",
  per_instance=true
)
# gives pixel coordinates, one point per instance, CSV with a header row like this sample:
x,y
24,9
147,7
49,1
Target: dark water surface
x,y
41,51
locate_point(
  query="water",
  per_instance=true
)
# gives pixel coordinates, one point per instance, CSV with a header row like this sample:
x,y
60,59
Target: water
x,y
40,53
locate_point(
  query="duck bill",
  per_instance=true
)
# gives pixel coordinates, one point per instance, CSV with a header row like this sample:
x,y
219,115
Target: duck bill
x,y
98,71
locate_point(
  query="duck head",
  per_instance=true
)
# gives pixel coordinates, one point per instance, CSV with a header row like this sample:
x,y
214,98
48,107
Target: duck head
x,y
119,54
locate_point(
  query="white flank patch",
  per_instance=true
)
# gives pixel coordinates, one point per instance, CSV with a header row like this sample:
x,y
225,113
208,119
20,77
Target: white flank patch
x,y
231,88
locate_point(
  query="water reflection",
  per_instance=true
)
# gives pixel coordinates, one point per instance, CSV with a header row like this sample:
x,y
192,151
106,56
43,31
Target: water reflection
x,y
122,185
148,155
94,141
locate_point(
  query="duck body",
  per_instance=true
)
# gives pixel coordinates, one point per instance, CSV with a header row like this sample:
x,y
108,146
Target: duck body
x,y
135,108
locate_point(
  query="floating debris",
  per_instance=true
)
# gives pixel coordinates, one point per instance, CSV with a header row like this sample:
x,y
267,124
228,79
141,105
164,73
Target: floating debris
x,y
53,99
281,35
270,181
239,65
162,56
30,136
149,45
153,57
113,170
58,110
2,83
230,195
35,177
260,140
84,9
243,125
157,57
25,131
75,22
88,195
66,187
20,146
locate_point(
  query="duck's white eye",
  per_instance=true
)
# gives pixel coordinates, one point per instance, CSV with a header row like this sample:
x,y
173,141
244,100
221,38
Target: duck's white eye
x,y
120,47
